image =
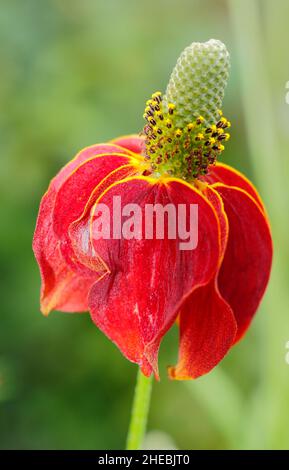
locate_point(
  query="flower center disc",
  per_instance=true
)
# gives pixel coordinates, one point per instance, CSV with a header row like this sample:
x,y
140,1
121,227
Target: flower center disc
x,y
183,152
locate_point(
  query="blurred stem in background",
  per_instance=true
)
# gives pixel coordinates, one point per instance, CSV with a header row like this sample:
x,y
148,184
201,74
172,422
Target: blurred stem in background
x,y
140,410
260,121
218,392
258,421
262,133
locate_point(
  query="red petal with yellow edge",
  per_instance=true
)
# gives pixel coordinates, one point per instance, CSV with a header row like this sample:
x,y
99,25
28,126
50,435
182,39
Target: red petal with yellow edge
x,y
245,270
221,173
81,157
207,323
75,192
78,242
58,289
138,301
133,142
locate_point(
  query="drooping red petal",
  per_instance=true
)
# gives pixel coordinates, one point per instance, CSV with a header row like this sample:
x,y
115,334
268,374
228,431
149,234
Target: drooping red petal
x,y
61,288
75,193
245,270
78,242
133,142
207,323
221,173
137,302
81,157
207,330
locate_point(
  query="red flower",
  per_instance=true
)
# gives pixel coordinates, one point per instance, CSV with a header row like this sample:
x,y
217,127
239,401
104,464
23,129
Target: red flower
x,y
136,290
136,287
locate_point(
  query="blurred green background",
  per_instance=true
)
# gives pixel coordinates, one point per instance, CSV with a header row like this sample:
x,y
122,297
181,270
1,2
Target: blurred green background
x,y
74,73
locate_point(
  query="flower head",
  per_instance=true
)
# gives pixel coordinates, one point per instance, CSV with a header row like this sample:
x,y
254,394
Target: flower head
x,y
135,283
185,130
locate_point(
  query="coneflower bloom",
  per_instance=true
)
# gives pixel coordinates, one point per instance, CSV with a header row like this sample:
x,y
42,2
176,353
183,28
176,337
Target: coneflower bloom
x,y
136,288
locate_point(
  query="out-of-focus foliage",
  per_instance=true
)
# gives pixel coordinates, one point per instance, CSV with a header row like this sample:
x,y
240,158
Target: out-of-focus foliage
x,y
78,72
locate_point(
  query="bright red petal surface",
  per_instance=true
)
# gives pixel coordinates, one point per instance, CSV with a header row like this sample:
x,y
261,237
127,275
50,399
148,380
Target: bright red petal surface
x,y
137,302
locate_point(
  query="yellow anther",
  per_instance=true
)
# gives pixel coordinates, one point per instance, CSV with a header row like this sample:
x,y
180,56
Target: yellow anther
x,y
200,120
171,108
229,124
190,126
220,112
200,136
184,151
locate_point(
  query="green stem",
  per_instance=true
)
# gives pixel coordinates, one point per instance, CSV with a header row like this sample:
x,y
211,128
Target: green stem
x,y
139,414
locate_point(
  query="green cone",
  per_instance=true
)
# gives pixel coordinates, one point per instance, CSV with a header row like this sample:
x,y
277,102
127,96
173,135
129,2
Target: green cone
x,y
197,83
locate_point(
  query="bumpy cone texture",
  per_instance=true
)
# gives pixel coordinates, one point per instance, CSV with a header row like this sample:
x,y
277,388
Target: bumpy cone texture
x,y
198,81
